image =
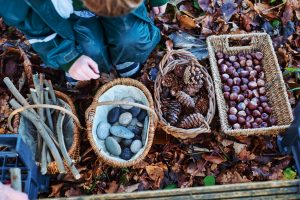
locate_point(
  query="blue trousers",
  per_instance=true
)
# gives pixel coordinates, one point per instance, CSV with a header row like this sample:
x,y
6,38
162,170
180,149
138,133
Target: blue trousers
x,y
115,40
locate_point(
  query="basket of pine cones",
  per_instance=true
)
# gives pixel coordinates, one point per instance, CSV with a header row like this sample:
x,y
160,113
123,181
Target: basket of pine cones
x,y
184,95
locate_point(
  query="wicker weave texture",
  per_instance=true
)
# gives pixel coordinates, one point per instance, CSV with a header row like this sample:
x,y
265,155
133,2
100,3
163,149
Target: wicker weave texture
x,y
90,113
168,63
275,86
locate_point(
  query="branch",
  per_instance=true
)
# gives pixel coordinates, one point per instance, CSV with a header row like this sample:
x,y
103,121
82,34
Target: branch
x,y
48,112
44,159
63,149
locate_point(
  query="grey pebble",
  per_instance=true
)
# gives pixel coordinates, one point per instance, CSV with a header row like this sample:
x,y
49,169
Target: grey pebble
x,y
121,131
142,115
127,142
103,130
125,118
135,146
135,111
113,146
128,99
118,139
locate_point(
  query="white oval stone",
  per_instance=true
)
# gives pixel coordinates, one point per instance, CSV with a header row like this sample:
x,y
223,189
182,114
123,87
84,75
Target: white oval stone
x,y
125,118
121,131
113,146
128,99
135,146
103,130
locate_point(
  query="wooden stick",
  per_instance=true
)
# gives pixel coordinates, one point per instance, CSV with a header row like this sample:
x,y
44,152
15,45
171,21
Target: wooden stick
x,y
37,122
48,112
44,159
63,149
15,178
51,91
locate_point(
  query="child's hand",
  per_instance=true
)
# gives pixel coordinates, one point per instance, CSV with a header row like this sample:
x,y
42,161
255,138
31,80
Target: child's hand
x,y
7,193
159,10
84,68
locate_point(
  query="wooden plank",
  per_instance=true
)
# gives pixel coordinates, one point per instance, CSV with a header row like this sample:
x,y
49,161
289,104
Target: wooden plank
x,y
241,190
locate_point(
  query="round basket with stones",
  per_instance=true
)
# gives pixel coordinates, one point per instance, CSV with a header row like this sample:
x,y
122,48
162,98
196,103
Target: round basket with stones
x,y
121,122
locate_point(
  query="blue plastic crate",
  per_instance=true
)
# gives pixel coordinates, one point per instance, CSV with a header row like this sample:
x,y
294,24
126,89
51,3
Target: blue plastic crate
x,y
17,154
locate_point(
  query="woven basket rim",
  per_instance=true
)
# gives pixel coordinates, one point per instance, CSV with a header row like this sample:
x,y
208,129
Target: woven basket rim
x,y
273,130
166,66
91,111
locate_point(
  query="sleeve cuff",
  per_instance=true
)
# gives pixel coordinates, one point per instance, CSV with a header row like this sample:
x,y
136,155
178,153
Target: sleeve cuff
x,y
156,3
68,65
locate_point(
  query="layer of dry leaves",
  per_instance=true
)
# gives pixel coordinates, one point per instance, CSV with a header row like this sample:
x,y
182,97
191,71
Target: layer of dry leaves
x,y
170,161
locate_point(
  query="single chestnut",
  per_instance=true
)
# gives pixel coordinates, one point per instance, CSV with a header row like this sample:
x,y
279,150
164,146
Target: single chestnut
x,y
258,120
256,113
232,119
232,103
248,94
235,74
261,75
253,73
260,109
241,120
233,58
263,98
260,83
220,61
230,70
237,81
272,120
244,73
248,56
249,63
236,89
241,114
229,82
219,55
245,80
264,104
255,125
232,111
248,125
240,98
252,85
256,62
236,126
226,95
225,77
223,68
243,62
264,116
248,111
255,93
263,125
226,88
252,105
259,55
262,90
241,106
244,87
258,68
236,65
250,118
268,110
233,96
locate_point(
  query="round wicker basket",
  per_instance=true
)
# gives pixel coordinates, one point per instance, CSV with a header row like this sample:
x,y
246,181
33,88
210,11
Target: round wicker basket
x,y
73,151
91,111
168,63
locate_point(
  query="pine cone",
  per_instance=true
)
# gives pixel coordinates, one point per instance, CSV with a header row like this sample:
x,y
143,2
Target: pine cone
x,y
192,90
169,80
193,76
173,112
202,105
192,121
185,99
179,70
165,106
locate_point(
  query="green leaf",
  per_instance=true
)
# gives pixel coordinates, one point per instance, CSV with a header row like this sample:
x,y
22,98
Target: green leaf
x,y
292,69
209,180
272,1
170,187
275,23
196,4
289,173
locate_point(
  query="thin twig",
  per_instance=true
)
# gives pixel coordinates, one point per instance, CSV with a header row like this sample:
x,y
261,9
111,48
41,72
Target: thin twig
x,y
51,91
48,112
63,149
44,159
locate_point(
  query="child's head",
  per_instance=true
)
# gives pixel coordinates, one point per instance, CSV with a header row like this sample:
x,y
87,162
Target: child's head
x,y
112,7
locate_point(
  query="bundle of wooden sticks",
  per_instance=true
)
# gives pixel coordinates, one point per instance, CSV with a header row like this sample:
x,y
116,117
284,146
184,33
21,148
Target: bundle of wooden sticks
x,y
47,114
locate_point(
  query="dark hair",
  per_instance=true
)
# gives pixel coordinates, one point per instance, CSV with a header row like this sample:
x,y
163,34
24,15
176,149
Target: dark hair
x,y
112,7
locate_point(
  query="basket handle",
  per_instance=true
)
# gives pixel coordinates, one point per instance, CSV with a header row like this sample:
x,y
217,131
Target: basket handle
x,y
42,106
166,57
107,103
227,46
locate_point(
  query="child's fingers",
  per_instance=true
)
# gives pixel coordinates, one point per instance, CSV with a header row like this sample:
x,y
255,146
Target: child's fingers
x,y
93,65
155,10
162,9
90,73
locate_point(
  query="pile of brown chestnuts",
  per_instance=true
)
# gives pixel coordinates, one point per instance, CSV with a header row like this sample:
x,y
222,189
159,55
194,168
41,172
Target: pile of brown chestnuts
x,y
244,89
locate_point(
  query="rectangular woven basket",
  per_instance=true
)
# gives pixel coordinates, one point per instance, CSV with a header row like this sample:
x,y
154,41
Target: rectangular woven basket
x,y
275,86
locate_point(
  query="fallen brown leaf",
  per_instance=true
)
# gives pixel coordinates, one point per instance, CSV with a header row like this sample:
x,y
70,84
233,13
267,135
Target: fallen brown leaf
x,y
73,192
213,159
56,189
112,187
